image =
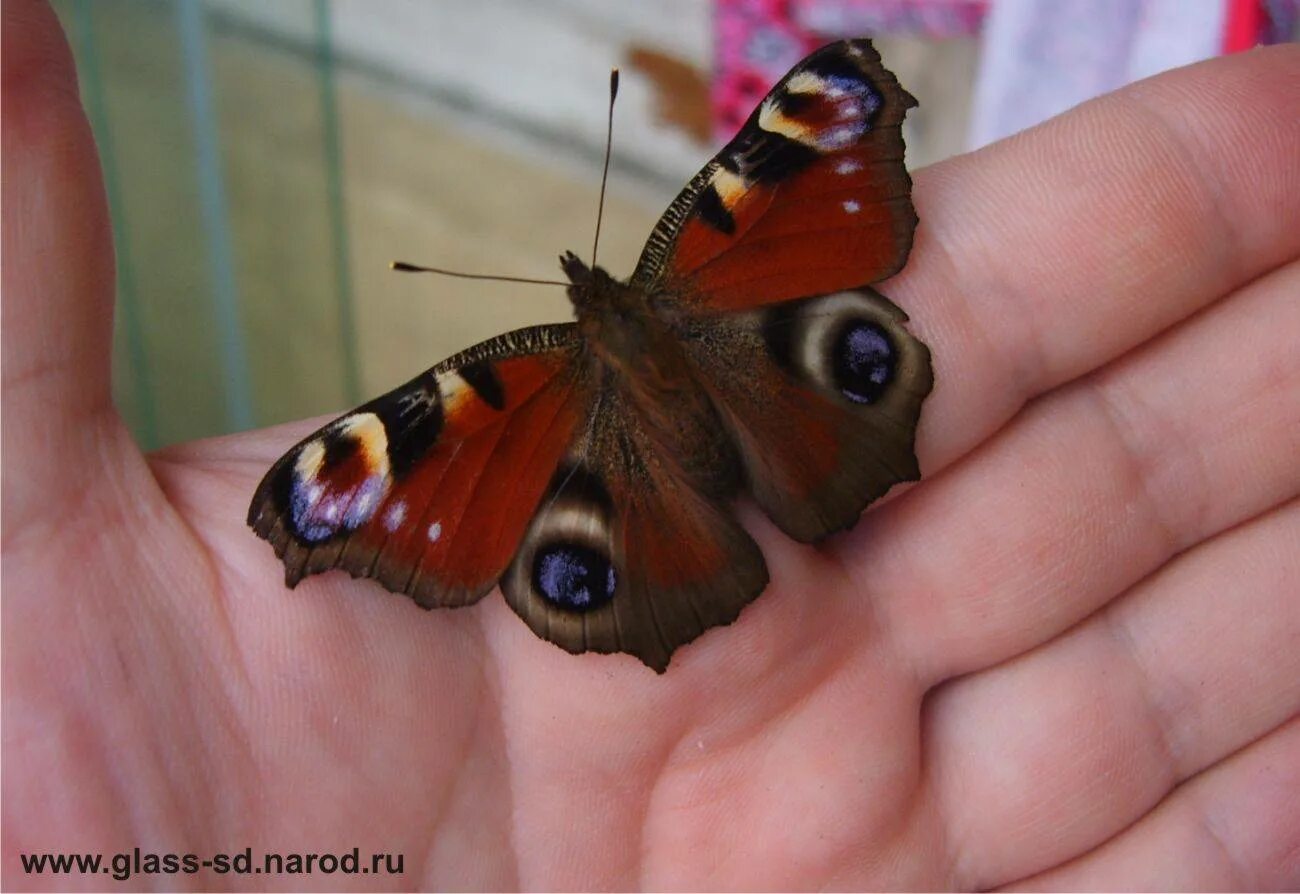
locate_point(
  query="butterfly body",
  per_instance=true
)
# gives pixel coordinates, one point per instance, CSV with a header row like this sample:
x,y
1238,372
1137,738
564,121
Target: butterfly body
x,y
638,356
589,467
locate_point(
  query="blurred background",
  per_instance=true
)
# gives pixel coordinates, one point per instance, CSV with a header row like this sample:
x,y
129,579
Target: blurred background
x,y
265,161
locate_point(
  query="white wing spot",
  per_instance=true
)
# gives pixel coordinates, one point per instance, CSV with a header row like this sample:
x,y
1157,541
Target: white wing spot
x,y
852,206
839,137
847,166
362,504
435,531
395,515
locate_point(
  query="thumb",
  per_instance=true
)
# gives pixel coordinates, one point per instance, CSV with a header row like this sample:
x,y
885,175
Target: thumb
x,y
57,272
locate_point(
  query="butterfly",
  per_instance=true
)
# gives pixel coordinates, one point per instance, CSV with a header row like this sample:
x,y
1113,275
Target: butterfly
x,y
589,468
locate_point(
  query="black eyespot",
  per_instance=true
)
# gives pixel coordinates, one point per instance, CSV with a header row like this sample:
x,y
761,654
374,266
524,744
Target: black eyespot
x,y
863,361
573,577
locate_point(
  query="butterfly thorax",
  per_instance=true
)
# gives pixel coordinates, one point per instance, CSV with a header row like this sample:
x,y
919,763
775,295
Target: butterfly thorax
x,y
624,333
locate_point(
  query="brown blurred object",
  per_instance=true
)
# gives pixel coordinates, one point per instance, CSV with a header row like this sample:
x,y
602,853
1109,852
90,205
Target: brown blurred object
x,y
681,91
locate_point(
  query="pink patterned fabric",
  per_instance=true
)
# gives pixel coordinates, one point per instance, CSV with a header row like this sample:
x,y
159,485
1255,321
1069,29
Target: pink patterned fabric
x,y
757,41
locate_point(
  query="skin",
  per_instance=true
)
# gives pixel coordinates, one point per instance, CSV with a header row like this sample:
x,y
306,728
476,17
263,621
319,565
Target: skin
x,y
1069,658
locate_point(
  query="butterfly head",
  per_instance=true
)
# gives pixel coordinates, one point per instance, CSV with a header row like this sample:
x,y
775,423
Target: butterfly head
x,y
590,288
615,318
579,274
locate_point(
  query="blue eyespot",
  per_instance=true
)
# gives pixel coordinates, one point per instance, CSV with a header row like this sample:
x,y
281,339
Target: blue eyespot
x,y
319,511
573,577
863,361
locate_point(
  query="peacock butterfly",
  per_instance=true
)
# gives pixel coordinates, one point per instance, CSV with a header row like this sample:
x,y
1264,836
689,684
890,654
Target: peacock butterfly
x,y
589,467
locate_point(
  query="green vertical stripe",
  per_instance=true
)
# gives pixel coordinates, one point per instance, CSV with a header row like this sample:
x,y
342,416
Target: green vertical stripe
x,y
215,214
337,207
127,295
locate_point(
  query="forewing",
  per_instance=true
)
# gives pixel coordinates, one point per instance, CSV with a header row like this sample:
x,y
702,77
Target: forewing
x,y
811,197
429,488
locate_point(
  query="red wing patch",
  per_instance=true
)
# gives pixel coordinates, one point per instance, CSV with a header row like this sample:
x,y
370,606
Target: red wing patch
x,y
429,488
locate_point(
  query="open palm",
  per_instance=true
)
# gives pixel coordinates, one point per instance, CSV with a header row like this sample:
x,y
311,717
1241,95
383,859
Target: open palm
x,y
1071,654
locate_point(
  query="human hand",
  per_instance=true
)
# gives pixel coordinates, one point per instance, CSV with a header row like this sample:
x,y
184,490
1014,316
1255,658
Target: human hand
x,y
1070,657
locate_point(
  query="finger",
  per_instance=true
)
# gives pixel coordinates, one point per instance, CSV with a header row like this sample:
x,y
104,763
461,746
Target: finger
x,y
1051,754
57,272
1094,487
1235,827
1046,255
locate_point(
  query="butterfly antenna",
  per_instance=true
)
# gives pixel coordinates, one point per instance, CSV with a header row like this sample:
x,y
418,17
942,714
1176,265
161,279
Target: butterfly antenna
x,y
403,267
609,143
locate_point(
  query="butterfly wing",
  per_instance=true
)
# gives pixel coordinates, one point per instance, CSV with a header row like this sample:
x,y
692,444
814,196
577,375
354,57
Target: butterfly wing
x,y
821,398
811,196
626,554
429,488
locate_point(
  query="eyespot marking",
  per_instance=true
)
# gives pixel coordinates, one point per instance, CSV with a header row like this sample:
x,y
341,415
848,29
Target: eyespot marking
x,y
839,137
310,459
339,478
862,361
573,577
805,82
824,107
773,120
369,432
318,513
435,532
763,157
852,206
